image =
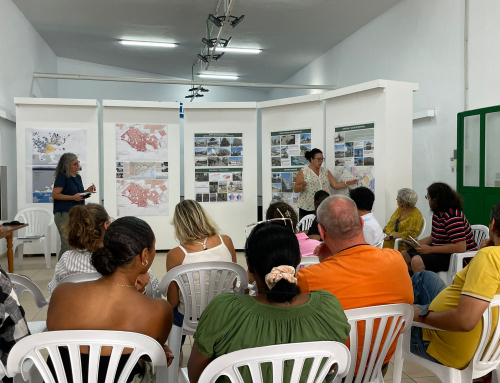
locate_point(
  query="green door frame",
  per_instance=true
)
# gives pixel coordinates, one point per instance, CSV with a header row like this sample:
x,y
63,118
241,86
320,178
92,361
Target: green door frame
x,y
478,201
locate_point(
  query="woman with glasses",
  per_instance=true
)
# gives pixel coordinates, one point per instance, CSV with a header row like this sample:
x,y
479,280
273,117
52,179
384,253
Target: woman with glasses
x,y
451,232
279,314
85,231
406,221
313,178
67,191
200,242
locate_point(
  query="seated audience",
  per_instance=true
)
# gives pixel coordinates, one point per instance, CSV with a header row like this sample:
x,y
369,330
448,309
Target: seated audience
x,y
458,308
278,315
114,302
451,232
200,242
319,197
84,230
13,324
360,275
279,210
364,199
405,222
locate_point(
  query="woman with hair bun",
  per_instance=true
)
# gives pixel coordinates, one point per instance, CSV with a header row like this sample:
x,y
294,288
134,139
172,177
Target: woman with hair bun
x,y
313,178
278,315
114,302
85,230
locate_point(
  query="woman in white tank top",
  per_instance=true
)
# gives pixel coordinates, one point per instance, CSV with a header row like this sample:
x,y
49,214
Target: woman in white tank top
x,y
200,242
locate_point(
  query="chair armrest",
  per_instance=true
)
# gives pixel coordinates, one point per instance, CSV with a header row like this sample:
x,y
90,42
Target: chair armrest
x,y
423,325
396,243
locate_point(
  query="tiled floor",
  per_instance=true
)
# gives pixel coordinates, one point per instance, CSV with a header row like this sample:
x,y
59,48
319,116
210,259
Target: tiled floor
x,y
34,267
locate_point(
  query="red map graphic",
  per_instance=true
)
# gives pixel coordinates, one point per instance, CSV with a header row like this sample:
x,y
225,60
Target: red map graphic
x,y
140,196
139,141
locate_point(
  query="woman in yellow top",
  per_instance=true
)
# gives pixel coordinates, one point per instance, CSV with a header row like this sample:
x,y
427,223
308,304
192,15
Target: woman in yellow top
x,y
314,178
406,220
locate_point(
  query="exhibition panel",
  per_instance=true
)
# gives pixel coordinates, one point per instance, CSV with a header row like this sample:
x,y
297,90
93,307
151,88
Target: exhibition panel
x,y
141,166
220,163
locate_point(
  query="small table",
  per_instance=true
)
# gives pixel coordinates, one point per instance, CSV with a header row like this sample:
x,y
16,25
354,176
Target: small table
x,y
7,233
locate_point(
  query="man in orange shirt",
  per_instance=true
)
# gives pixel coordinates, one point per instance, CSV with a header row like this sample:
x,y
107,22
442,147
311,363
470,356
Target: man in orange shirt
x,y
358,274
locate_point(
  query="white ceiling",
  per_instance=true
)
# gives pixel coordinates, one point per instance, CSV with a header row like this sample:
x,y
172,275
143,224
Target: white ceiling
x,y
292,33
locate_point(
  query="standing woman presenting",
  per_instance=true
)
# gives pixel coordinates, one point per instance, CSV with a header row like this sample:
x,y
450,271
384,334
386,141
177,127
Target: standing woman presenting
x,y
66,194
312,179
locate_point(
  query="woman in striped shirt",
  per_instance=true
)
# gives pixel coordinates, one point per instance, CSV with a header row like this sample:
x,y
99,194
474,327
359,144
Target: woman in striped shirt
x,y
451,232
85,230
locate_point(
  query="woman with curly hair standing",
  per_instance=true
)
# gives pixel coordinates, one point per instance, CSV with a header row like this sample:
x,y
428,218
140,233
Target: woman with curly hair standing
x,y
67,191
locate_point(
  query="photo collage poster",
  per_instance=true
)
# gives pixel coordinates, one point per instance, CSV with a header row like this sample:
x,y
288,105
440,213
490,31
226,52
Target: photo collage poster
x,y
44,148
354,154
287,159
141,169
218,161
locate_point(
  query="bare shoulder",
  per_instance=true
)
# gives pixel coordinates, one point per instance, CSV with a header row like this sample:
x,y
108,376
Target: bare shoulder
x,y
227,240
175,257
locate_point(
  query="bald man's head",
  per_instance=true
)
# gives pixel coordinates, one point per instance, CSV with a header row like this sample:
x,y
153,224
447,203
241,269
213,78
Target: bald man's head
x,y
339,217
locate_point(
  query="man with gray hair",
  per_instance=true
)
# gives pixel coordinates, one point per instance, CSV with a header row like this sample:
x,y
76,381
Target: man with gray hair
x,y
358,274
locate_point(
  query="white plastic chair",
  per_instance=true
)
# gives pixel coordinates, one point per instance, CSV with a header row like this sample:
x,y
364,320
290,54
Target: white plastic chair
x,y
486,357
307,261
480,232
306,222
28,349
398,240
394,319
195,304
40,222
21,284
380,244
229,365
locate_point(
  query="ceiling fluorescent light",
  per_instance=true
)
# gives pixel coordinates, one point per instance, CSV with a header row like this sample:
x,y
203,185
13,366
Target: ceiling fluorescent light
x,y
219,76
239,50
148,44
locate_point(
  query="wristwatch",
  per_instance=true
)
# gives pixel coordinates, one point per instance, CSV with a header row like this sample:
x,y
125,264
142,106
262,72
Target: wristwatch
x,y
423,314
391,237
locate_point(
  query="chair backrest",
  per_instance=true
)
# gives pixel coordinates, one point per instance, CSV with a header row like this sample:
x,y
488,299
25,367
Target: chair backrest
x,y
28,349
216,277
39,221
307,261
487,356
306,222
422,229
480,232
229,365
22,284
82,277
382,324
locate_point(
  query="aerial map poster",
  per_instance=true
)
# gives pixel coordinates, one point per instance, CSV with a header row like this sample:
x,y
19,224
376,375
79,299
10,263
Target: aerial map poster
x,y
218,161
287,158
354,154
141,169
44,148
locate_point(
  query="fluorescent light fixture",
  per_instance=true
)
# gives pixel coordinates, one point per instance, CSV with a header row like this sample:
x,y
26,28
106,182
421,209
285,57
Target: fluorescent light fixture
x,y
148,44
239,50
219,76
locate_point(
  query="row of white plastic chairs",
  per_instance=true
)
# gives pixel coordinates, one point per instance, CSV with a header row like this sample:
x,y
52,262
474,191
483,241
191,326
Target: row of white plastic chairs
x,y
219,277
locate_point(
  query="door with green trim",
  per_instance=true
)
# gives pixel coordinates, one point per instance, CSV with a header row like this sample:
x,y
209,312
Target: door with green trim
x,y
478,162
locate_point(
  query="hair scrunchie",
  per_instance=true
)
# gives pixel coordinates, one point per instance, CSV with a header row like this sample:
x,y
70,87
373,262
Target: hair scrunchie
x,y
278,273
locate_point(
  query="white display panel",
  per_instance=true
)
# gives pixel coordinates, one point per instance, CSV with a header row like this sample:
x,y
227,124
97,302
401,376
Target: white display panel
x,y
231,217
58,115
389,106
160,118
292,114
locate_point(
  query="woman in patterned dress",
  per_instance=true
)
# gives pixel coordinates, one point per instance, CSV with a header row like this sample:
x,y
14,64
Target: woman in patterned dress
x,y
312,179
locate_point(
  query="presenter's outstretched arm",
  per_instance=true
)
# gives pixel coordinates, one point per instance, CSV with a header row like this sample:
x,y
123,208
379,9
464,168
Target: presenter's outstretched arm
x,y
338,185
56,194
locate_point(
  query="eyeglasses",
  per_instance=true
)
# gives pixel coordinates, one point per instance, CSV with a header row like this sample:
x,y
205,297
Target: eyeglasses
x,y
396,228
320,159
267,220
427,197
76,164
111,220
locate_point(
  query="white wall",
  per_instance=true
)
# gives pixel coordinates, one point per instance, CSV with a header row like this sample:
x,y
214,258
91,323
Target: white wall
x,y
22,51
134,91
415,41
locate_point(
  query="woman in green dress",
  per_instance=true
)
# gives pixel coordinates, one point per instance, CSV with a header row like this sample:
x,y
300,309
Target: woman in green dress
x,y
278,315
